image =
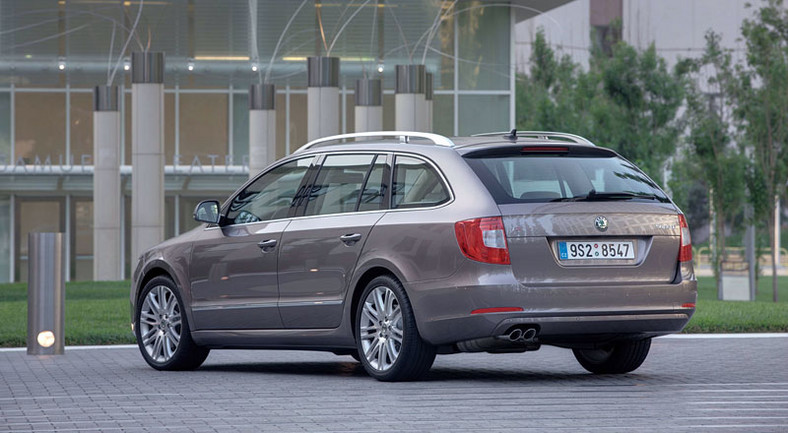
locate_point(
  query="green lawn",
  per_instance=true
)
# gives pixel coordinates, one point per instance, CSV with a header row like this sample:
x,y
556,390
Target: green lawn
x,y
763,315
98,313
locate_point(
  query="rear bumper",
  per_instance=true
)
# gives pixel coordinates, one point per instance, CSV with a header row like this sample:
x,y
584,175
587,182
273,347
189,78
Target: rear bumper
x,y
559,313
557,329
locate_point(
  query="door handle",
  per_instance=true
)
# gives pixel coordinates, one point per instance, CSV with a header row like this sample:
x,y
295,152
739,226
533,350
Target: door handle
x,y
351,238
267,245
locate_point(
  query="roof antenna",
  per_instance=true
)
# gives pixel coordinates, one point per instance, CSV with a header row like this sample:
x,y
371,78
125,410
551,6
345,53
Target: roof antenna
x,y
513,134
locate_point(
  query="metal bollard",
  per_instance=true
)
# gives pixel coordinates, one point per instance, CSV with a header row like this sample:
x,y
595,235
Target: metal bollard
x,y
46,291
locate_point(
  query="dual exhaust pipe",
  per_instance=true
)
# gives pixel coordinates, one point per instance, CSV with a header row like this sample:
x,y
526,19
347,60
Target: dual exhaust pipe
x,y
519,339
527,335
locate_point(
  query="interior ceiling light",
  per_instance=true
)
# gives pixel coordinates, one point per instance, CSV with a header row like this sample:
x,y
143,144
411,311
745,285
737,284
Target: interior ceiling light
x,y
380,67
61,64
126,65
223,58
254,67
190,65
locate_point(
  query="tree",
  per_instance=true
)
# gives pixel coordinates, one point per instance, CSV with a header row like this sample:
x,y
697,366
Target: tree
x,y
626,101
716,161
762,109
635,109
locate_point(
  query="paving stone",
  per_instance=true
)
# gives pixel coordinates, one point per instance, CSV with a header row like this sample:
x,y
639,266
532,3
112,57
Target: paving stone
x,y
684,385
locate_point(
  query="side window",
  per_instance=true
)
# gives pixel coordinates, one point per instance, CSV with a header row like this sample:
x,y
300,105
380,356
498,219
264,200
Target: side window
x,y
269,197
374,193
338,184
416,184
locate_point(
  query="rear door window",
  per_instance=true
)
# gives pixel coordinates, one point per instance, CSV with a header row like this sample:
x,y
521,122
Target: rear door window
x,y
416,184
337,187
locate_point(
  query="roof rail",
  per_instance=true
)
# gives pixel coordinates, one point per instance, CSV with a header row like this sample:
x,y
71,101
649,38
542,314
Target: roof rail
x,y
404,137
544,135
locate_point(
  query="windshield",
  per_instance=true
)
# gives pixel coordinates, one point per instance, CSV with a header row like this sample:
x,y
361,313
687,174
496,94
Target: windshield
x,y
542,178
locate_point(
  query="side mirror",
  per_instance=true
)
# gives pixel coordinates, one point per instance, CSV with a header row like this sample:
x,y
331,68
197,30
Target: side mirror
x,y
207,211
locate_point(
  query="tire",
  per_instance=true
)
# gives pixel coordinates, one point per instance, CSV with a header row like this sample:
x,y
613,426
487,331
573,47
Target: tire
x,y
164,336
390,347
618,358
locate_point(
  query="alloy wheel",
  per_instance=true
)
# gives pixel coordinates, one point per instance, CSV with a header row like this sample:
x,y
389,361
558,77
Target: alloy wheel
x,y
380,328
160,324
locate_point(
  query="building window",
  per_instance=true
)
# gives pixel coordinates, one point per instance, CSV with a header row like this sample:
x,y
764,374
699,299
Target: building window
x,y
40,127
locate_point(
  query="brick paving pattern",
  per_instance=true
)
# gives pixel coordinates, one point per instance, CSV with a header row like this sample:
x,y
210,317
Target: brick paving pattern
x,y
685,384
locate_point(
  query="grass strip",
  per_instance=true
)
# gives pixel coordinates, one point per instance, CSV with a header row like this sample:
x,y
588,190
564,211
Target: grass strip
x,y
98,312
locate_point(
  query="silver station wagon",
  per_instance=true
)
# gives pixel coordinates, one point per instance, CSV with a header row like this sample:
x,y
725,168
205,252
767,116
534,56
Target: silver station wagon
x,y
393,247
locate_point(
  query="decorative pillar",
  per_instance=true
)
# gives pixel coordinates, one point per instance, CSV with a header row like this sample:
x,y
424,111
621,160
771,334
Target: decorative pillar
x,y
106,185
428,93
262,127
322,97
147,151
46,288
409,98
369,105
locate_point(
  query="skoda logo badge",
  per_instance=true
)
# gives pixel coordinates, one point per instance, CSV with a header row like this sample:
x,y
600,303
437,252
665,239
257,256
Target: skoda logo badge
x,y
601,223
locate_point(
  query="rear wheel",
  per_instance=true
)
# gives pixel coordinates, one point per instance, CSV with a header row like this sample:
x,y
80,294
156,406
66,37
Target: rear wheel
x,y
389,345
162,329
617,358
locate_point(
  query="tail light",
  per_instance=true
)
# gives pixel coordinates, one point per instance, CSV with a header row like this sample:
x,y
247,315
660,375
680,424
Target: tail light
x,y
685,250
483,240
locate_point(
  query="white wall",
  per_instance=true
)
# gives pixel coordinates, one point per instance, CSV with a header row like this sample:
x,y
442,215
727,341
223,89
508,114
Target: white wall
x,y
566,28
676,27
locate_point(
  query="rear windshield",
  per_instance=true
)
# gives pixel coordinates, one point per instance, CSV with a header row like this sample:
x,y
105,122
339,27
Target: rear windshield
x,y
545,178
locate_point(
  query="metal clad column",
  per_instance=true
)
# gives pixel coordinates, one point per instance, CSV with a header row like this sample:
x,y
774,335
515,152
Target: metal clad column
x,y
409,98
428,95
46,292
106,185
369,105
262,127
322,97
147,152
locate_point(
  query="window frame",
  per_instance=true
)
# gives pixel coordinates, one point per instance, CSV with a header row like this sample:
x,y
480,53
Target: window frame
x,y
305,180
438,172
318,165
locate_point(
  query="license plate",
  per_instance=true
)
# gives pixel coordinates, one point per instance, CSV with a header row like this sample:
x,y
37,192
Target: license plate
x,y
595,250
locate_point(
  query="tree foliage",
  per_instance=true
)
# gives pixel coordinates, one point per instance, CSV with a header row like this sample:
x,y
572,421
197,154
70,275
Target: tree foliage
x,y
710,151
762,111
626,101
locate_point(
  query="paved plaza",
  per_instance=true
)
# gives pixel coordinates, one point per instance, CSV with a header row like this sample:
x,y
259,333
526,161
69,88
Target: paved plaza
x,y
698,384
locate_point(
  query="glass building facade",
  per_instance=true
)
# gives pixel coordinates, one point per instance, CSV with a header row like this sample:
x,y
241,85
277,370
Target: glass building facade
x,y
52,54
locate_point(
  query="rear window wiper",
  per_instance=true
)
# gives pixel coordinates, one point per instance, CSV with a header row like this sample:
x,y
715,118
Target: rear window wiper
x,y
603,196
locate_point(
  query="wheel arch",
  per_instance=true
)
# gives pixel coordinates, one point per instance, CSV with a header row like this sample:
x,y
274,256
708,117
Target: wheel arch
x,y
367,276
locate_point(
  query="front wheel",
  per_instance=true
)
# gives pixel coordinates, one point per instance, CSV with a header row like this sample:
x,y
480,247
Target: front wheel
x,y
389,345
162,329
617,358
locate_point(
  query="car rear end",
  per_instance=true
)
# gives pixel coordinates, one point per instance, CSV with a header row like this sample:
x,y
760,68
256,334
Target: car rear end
x,y
586,250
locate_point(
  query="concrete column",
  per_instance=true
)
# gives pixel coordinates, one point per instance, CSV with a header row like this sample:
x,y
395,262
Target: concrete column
x,y
147,151
262,127
322,97
369,105
106,185
428,94
409,99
